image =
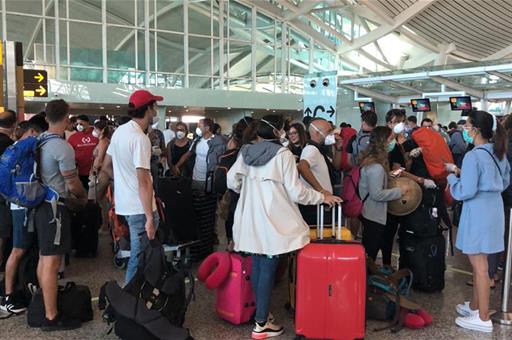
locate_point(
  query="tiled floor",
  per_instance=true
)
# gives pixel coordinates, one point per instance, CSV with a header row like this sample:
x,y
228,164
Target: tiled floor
x,y
205,325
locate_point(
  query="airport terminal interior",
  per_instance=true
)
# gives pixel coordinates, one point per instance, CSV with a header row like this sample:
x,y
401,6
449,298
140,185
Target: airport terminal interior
x,y
232,126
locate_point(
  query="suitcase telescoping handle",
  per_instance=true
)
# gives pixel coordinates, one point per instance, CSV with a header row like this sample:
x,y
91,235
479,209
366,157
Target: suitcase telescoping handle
x,y
336,227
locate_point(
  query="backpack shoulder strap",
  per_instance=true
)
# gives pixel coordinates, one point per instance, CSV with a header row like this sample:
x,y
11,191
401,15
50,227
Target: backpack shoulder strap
x,y
493,158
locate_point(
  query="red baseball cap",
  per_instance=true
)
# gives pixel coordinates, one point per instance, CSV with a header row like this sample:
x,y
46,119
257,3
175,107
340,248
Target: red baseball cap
x,y
140,98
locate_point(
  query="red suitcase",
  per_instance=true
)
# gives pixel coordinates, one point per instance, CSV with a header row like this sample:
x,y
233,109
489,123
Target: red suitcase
x,y
331,290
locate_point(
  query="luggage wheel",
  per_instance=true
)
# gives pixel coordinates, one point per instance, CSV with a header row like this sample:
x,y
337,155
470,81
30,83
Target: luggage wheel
x,y
120,263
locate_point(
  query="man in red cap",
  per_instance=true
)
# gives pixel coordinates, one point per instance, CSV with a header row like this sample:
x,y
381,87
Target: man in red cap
x,y
128,162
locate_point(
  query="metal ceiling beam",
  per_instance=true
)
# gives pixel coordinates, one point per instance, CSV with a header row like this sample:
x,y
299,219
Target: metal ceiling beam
x,y
403,86
385,29
376,43
458,87
503,76
503,53
34,35
372,93
303,8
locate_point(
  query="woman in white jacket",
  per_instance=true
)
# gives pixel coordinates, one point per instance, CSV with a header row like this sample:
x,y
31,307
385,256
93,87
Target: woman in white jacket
x,y
267,220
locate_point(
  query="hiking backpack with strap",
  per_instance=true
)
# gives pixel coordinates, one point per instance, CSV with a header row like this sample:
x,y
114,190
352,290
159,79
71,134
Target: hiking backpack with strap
x,y
359,144
226,161
352,202
155,300
19,180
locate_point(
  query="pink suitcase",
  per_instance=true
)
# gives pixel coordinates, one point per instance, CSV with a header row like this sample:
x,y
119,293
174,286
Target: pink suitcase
x,y
235,299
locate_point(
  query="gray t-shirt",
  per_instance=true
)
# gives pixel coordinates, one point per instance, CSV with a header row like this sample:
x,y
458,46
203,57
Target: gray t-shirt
x,y
56,156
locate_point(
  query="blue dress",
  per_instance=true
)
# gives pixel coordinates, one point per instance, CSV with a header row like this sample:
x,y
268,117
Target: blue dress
x,y
482,223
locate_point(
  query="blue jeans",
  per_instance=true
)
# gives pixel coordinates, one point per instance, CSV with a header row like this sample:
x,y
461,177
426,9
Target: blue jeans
x,y
136,224
262,279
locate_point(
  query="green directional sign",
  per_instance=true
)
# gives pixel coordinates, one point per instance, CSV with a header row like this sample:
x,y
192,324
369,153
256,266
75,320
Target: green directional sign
x,y
35,83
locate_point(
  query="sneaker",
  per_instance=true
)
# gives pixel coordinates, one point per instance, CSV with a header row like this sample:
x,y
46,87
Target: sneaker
x,y
10,305
465,310
474,323
60,323
268,330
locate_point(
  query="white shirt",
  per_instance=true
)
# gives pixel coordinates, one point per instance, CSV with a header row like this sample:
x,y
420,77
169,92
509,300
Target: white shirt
x,y
130,149
169,135
318,167
267,219
200,169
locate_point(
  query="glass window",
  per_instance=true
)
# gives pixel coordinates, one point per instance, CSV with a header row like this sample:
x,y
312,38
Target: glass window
x,y
86,74
240,22
29,7
121,12
120,47
216,58
199,55
85,43
170,16
90,10
20,28
199,18
199,82
170,53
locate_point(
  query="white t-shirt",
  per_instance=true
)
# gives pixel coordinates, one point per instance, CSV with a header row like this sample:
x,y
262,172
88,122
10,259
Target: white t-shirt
x,y
169,135
316,161
200,169
130,149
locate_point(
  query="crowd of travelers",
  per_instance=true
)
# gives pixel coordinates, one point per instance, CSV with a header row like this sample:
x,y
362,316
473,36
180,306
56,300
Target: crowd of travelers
x,y
280,170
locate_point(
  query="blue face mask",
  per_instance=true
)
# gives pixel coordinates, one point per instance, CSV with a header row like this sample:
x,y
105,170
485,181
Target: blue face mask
x,y
467,137
391,145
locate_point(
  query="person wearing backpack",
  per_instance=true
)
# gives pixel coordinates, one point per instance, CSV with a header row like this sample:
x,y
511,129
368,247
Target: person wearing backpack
x,y
485,174
22,239
266,176
314,166
457,144
360,142
52,223
373,189
7,124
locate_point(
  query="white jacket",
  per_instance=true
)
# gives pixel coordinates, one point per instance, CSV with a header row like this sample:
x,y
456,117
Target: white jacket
x,y
267,219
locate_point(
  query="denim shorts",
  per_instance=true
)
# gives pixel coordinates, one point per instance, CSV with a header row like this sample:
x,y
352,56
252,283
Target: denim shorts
x,y
21,238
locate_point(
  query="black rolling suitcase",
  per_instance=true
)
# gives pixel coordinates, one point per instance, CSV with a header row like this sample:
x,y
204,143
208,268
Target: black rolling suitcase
x,y
181,223
205,207
85,226
425,257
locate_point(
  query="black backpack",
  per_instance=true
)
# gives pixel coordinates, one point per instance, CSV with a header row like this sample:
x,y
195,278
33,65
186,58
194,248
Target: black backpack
x,y
425,221
154,303
73,301
226,161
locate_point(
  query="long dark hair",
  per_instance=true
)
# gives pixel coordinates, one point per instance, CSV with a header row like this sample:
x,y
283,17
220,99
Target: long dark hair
x,y
264,128
377,149
303,138
103,125
484,121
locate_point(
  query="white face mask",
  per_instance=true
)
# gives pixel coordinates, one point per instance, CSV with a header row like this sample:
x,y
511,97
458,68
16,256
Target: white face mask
x,y
79,127
399,128
156,119
95,133
180,134
199,132
330,140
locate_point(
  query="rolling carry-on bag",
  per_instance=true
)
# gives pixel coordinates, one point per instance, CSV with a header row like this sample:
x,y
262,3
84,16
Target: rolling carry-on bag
x,y
86,224
332,306
235,299
314,231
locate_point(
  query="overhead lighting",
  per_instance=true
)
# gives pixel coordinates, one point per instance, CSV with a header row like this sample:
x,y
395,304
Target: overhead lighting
x,y
191,119
101,107
118,106
185,106
186,110
273,110
268,109
229,107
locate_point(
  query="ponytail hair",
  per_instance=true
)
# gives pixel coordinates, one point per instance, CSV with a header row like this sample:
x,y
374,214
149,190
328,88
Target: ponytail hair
x,y
485,122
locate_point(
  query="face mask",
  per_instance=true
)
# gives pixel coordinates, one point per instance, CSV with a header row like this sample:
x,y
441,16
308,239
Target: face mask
x,y
199,132
399,128
330,140
180,134
79,127
391,145
285,143
156,119
467,137
95,133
